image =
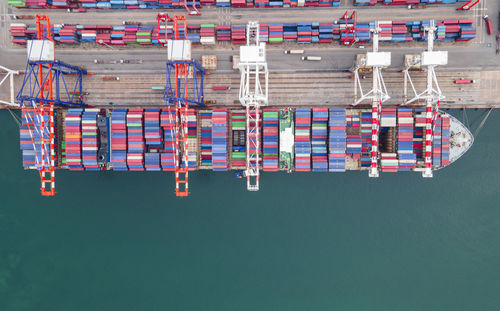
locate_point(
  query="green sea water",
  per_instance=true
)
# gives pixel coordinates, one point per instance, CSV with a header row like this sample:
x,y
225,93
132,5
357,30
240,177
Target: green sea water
x,y
123,241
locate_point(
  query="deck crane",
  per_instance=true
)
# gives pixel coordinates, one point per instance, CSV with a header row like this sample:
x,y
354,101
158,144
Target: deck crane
x,y
432,94
253,68
468,5
378,94
44,88
184,86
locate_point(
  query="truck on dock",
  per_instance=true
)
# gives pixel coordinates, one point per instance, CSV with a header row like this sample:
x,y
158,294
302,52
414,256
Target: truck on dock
x,y
110,78
311,58
463,81
221,88
294,51
489,25
417,6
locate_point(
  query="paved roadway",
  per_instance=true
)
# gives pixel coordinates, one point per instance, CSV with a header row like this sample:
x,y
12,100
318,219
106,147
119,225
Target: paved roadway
x,y
476,56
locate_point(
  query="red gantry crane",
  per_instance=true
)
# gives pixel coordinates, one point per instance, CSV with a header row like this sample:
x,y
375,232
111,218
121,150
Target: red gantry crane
x,y
184,86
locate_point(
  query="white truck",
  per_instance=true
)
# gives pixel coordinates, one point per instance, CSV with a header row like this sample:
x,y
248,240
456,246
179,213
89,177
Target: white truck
x,y
294,51
314,58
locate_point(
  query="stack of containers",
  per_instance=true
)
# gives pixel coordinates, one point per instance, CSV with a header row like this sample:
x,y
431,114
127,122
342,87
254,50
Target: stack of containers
x,y
238,3
206,137
354,146
103,4
363,33
219,140
325,33
261,3
337,140
88,33
276,3
167,122
152,132
65,34
130,37
144,35
389,162
418,135
303,140
119,139
436,143
319,136
270,140
18,33
290,32
399,31
193,34
135,140
407,159
315,32
17,3
275,33
117,35
467,32
192,139
223,3
388,117
366,138
152,161
238,127
386,31
304,32
90,139
73,138
249,3
90,4
28,152
207,34
238,34
445,139
223,33
264,32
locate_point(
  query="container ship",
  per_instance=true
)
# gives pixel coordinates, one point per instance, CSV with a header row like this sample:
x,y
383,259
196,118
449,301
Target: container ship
x,y
292,139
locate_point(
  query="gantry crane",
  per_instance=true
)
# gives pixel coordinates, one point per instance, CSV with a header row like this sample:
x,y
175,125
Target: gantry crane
x,y
432,94
348,32
378,94
44,88
253,68
184,86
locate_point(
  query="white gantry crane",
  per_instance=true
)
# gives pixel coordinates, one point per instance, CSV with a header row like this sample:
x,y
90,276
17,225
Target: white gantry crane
x,y
9,74
378,94
432,94
253,95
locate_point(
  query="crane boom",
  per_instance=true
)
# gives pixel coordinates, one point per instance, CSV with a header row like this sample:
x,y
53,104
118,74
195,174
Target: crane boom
x,y
253,68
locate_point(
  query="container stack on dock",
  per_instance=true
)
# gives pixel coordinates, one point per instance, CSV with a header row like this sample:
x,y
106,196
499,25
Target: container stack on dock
x,y
167,157
90,137
436,143
135,140
73,138
206,138
238,127
270,140
407,158
219,140
119,139
238,35
302,32
337,140
303,140
319,137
